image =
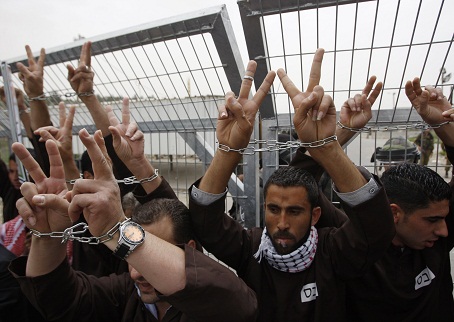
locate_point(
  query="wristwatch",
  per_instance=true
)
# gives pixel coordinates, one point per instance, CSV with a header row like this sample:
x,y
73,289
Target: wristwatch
x,y
132,235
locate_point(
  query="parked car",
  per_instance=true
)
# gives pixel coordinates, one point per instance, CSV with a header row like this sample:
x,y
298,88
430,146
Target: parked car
x,y
396,150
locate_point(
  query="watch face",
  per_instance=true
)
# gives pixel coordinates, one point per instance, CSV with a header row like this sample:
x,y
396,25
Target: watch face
x,y
133,233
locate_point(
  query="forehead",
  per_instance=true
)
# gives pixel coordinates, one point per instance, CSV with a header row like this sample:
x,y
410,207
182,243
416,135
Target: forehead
x,y
162,229
287,195
435,209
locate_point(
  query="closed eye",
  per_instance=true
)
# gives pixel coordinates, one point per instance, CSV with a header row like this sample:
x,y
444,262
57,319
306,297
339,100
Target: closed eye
x,y
434,219
273,209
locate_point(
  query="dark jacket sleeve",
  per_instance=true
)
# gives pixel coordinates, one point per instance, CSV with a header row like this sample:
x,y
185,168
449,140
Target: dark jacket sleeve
x,y
209,283
450,217
119,168
41,154
67,295
331,215
14,306
219,234
164,191
4,179
365,237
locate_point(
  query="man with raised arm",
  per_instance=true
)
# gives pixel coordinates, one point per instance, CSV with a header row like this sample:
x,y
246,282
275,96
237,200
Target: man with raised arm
x,y
297,271
36,116
412,281
185,278
81,79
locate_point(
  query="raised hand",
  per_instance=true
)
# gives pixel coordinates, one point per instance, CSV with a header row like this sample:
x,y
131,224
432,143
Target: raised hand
x,y
61,136
357,111
128,140
81,79
315,114
295,94
99,199
43,206
33,75
237,116
19,97
430,103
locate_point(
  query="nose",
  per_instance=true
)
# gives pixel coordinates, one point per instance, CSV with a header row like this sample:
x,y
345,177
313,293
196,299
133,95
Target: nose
x,y
441,229
283,223
135,275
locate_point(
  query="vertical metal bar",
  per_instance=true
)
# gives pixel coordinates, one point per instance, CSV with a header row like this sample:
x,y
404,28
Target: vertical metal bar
x,y
11,102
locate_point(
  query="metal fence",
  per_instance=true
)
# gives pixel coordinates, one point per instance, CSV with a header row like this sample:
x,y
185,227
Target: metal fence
x,y
176,71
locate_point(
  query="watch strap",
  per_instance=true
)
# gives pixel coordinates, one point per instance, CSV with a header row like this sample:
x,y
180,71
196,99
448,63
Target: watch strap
x,y
122,251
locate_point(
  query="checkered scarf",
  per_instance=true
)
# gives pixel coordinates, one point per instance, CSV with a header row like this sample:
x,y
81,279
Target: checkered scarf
x,y
296,261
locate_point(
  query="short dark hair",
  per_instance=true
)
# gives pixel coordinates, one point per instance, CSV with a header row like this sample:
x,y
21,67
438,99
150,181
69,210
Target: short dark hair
x,y
85,163
294,177
157,209
413,186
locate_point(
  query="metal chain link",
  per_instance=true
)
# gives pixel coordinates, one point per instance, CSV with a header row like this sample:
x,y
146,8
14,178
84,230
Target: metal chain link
x,y
44,96
417,126
41,97
274,145
71,233
127,181
90,93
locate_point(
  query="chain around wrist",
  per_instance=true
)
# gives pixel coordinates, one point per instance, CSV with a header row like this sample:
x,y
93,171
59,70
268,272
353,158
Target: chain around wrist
x,y
41,97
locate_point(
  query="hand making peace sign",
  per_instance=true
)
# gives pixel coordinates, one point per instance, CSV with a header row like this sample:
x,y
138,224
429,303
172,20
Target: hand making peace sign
x,y
43,207
33,75
237,116
81,78
99,199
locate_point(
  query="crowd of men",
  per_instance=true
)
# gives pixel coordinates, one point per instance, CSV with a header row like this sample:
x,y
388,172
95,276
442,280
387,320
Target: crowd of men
x,y
71,253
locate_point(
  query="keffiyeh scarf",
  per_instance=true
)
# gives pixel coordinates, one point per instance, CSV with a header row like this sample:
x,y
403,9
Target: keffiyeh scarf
x,y
296,261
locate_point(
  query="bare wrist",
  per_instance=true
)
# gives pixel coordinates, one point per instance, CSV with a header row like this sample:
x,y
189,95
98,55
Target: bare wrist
x,y
88,99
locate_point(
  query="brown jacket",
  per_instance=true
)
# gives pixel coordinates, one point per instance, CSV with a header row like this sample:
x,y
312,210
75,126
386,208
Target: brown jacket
x,y
318,293
212,293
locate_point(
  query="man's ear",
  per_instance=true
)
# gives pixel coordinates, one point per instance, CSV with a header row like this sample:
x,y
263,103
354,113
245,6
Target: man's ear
x,y
398,213
192,244
316,213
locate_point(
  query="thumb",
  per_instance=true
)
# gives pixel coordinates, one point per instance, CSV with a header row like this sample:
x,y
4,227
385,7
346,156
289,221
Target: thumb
x,y
45,135
52,201
70,71
423,103
116,137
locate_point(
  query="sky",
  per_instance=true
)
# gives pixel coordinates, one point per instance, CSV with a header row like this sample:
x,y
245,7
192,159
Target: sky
x,y
55,23
52,23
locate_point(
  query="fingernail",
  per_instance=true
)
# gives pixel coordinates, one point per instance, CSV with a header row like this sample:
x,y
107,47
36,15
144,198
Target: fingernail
x,y
38,200
311,96
32,221
314,117
223,114
319,115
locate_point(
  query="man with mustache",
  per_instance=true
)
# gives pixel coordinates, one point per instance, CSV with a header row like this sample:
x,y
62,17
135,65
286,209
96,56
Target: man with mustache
x,y
297,270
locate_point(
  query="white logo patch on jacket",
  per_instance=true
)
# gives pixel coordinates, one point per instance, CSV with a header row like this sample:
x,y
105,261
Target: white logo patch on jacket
x,y
424,278
309,292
